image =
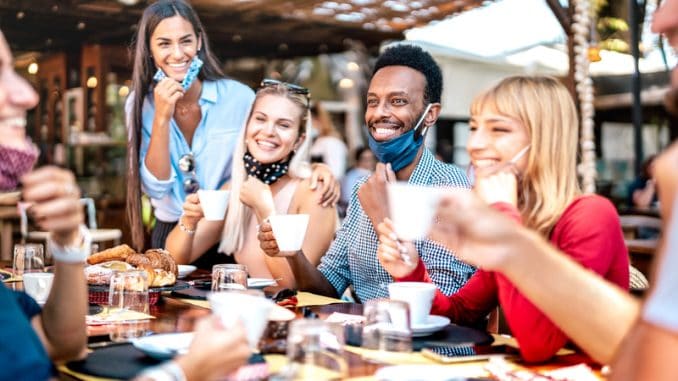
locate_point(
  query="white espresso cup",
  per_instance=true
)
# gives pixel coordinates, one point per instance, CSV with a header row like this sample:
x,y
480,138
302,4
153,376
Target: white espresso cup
x,y
289,230
38,285
419,295
214,203
250,307
412,208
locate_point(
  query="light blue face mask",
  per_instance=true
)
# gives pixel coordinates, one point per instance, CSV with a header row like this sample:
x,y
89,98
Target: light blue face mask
x,y
191,75
400,151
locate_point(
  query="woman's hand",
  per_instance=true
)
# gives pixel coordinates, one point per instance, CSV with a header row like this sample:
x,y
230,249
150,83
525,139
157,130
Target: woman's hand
x,y
257,196
398,258
497,187
192,211
324,182
215,351
56,203
165,95
478,234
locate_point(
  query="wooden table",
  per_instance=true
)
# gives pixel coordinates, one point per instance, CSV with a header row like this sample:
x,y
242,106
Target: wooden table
x,y
179,315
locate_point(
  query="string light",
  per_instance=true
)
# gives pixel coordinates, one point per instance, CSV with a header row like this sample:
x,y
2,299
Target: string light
x,y
584,87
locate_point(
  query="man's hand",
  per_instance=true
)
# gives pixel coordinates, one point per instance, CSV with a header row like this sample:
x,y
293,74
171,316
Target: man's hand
x,y
372,194
324,182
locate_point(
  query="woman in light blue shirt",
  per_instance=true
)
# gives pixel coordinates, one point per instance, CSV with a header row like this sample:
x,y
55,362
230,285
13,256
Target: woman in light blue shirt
x,y
183,117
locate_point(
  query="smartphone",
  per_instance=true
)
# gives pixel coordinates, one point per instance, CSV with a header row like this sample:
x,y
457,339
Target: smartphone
x,y
191,75
455,355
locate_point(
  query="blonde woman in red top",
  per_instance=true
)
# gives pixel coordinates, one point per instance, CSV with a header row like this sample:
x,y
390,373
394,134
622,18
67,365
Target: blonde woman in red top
x,y
523,146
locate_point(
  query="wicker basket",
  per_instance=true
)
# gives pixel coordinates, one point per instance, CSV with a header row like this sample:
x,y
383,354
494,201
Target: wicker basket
x,y
101,297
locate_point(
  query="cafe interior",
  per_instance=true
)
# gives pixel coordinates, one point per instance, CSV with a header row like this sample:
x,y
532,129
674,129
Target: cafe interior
x,y
78,56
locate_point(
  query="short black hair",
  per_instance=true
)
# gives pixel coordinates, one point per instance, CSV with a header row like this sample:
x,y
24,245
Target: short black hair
x,y
416,58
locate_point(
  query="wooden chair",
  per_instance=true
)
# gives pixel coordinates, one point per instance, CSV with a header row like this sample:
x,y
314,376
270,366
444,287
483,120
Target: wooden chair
x,y
641,237
98,235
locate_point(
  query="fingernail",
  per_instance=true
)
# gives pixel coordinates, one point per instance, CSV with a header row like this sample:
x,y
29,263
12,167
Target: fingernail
x,y
393,236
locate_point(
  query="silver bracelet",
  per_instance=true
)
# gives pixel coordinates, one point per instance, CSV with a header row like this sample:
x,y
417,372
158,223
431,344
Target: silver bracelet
x,y
76,253
184,228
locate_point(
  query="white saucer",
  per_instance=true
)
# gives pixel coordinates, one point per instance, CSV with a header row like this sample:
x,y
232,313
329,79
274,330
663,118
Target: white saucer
x,y
260,282
426,373
164,346
433,324
185,270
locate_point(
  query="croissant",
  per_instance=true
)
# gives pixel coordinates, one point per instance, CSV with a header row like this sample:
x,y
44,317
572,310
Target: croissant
x,y
117,253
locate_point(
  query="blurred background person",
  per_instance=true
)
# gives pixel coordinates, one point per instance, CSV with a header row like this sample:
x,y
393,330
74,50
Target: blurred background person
x,y
328,146
365,162
642,192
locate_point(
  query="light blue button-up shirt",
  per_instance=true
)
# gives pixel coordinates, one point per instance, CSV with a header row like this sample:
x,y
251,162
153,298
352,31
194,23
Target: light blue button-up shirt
x,y
224,105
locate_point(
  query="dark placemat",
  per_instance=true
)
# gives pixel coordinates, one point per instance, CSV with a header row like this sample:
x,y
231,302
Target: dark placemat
x,y
451,336
191,293
121,361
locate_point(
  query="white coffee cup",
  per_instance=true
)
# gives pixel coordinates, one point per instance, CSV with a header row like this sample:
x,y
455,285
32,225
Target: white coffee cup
x,y
289,230
250,307
419,295
412,208
38,285
214,203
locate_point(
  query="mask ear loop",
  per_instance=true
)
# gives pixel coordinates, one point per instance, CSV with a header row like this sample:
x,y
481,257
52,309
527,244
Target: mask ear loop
x,y
421,120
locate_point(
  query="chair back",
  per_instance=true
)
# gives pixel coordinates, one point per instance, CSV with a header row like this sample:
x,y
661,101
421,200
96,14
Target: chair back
x,y
635,225
87,202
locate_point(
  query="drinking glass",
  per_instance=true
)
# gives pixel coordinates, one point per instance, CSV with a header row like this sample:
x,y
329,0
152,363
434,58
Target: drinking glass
x,y
387,326
28,258
128,292
227,277
315,351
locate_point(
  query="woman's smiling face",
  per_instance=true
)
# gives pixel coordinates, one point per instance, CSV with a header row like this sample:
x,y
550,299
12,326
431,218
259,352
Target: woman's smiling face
x,y
173,46
273,129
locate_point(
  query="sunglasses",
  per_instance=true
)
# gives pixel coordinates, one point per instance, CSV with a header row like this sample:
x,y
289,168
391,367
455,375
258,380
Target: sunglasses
x,y
187,167
291,87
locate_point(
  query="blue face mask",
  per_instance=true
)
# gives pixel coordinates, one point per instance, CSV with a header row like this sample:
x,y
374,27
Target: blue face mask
x,y
400,151
191,75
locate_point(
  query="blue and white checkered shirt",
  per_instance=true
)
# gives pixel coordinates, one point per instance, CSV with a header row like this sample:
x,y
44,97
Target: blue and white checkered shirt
x,y
352,258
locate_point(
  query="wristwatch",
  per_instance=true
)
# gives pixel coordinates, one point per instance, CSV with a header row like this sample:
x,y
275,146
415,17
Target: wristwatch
x,y
74,253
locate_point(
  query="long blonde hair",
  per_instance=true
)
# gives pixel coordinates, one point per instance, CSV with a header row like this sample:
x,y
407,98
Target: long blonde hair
x,y
545,107
239,214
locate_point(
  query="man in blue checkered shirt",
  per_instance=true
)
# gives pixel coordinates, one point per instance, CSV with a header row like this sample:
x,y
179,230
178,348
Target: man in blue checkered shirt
x,y
403,101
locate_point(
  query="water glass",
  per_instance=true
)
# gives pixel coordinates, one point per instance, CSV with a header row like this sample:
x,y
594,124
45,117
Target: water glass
x,y
315,351
226,277
387,326
28,258
128,292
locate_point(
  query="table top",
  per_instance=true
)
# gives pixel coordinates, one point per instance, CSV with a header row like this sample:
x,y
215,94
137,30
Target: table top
x,y
179,315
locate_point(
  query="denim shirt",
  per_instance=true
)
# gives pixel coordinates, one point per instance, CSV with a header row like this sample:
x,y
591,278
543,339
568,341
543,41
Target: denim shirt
x,y
224,105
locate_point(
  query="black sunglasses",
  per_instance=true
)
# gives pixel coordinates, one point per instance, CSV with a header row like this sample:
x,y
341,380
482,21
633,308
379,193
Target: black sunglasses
x,y
291,87
187,167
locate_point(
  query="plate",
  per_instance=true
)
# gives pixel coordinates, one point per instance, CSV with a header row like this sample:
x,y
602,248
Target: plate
x,y
260,282
4,275
185,270
433,323
427,373
164,346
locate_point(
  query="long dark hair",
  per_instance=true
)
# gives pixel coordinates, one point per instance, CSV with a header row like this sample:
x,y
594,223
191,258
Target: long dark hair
x,y
142,76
